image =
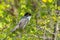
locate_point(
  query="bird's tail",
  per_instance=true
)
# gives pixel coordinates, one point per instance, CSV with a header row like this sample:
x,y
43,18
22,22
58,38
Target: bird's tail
x,y
16,27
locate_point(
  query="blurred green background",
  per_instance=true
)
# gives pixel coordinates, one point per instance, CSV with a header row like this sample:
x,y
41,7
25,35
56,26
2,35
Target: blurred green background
x,y
44,24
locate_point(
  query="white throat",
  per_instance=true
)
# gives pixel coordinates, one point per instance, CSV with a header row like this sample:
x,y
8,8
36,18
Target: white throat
x,y
29,17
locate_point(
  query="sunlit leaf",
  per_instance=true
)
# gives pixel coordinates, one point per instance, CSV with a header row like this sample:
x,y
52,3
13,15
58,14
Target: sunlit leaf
x,y
22,1
2,35
8,18
50,1
23,6
10,39
1,25
1,13
7,6
44,1
54,18
58,7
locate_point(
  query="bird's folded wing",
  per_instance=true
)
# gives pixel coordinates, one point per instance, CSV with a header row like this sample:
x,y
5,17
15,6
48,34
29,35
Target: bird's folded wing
x,y
22,23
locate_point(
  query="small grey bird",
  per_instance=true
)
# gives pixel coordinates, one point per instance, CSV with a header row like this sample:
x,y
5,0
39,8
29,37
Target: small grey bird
x,y
22,23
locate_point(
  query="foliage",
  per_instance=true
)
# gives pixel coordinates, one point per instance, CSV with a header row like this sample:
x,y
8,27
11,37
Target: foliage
x,y
44,17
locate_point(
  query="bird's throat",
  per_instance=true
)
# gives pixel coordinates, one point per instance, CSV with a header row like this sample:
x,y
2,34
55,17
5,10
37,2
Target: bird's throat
x,y
29,17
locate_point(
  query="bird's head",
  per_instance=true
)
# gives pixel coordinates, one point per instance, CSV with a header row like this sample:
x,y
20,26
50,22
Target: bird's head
x,y
28,15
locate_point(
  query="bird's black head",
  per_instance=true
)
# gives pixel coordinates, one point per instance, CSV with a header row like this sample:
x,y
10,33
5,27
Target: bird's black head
x,y
27,14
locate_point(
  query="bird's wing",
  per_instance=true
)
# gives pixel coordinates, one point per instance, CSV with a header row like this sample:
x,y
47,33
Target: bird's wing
x,y
23,23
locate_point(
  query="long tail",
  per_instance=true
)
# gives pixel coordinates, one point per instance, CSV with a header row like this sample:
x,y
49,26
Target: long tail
x,y
16,27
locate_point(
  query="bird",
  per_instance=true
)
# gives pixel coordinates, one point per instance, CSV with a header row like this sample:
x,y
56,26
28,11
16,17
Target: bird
x,y
23,22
